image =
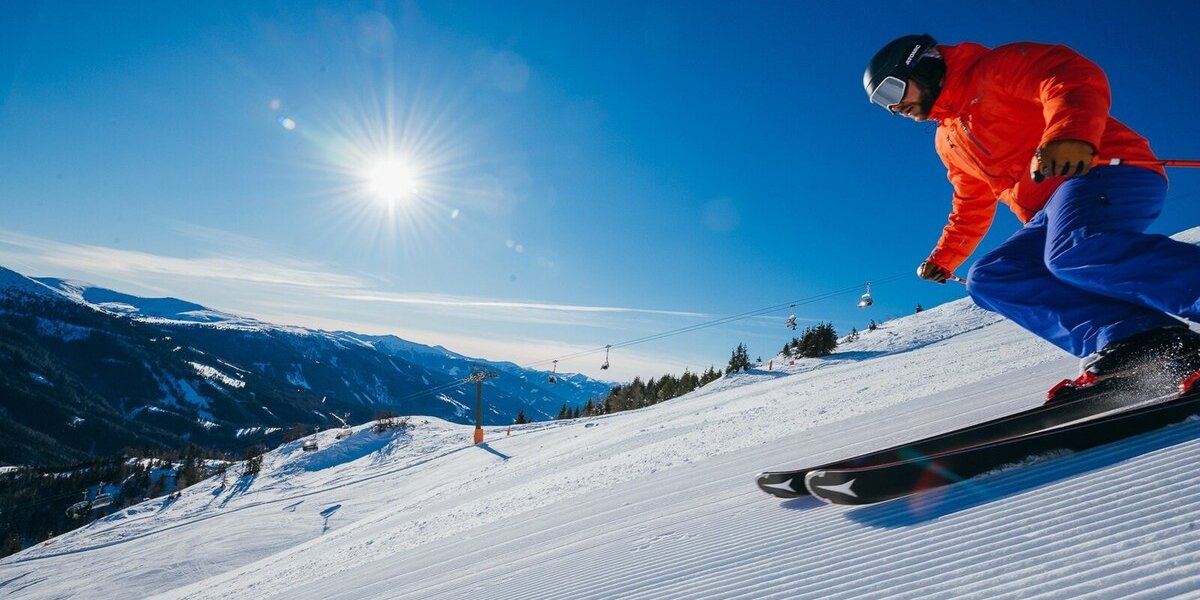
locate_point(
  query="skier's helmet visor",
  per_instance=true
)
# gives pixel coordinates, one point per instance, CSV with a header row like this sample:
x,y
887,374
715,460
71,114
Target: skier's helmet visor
x,y
887,75
890,92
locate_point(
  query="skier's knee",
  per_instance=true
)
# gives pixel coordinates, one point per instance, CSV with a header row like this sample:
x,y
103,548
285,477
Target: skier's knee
x,y
1064,262
978,282
1070,252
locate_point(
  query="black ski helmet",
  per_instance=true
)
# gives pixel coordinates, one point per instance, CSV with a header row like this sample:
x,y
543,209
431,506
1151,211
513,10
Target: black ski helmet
x,y
902,58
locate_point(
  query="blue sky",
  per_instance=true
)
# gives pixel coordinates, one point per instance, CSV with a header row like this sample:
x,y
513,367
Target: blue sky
x,y
585,173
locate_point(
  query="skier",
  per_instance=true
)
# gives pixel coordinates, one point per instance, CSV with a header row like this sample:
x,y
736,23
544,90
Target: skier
x,y
1027,125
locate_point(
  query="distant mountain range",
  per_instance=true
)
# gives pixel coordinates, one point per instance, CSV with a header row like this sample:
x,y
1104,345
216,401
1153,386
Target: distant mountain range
x,y
87,371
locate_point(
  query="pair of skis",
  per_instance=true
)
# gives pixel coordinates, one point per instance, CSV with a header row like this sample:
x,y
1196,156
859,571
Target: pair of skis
x,y
1105,413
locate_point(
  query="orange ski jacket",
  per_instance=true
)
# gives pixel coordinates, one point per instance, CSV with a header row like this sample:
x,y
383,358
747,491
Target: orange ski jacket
x,y
996,108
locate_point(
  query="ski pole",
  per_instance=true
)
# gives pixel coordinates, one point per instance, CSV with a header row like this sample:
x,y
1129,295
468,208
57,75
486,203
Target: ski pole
x,y
1149,163
1136,162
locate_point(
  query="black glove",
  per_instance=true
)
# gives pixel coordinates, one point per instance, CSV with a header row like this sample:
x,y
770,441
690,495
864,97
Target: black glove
x,y
933,272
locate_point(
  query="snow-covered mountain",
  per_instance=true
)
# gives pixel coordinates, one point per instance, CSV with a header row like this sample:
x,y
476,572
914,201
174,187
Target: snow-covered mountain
x,y
86,370
660,503
166,309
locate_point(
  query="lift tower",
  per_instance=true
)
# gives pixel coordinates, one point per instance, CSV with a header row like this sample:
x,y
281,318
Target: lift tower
x,y
478,375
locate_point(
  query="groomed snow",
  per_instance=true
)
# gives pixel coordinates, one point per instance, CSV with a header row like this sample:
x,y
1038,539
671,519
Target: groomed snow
x,y
660,503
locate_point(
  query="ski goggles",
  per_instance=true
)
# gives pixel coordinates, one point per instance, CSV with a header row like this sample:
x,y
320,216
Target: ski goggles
x,y
889,92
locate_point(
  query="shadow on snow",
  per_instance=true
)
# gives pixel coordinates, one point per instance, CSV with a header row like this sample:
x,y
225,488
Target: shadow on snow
x,y
936,503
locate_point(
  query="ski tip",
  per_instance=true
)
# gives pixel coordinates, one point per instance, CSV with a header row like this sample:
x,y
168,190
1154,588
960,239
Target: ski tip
x,y
831,488
782,484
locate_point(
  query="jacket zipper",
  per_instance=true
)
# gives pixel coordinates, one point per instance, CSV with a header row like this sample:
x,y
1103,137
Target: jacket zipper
x,y
963,124
972,159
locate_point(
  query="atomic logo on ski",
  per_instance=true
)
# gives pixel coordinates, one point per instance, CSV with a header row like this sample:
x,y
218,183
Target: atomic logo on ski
x,y
785,486
844,488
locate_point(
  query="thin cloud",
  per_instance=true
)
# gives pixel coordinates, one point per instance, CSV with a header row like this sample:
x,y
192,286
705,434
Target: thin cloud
x,y
150,270
218,238
451,301
146,268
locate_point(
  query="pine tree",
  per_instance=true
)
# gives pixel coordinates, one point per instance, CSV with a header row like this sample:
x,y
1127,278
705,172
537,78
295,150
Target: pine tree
x,y
634,394
826,337
12,544
740,360
639,394
254,460
817,341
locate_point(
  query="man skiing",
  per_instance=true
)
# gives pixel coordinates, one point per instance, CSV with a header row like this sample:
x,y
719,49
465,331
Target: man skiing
x,y
1027,125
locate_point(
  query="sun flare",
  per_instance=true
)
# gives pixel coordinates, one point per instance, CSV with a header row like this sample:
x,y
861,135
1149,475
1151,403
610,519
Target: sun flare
x,y
392,179
391,160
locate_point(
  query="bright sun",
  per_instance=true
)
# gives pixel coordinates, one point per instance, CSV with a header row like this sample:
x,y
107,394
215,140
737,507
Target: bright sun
x,y
392,179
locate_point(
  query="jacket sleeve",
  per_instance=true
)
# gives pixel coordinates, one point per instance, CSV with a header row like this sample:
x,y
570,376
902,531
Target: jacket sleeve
x,y
1072,91
974,208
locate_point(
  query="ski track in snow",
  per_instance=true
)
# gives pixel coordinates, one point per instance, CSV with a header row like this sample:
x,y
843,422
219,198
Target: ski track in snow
x,y
660,503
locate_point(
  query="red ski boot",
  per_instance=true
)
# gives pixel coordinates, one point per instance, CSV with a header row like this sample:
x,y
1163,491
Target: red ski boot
x,y
1160,358
1191,382
1067,388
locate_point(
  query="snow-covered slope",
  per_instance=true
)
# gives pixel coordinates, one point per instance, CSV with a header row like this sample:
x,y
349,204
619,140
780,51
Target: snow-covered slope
x,y
14,282
165,309
660,503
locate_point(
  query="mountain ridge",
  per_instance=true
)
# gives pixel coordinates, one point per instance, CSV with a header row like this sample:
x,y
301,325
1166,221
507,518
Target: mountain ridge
x,y
167,371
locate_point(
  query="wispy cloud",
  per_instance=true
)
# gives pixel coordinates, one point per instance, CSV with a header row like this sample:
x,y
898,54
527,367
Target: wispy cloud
x,y
262,277
450,301
212,237
131,265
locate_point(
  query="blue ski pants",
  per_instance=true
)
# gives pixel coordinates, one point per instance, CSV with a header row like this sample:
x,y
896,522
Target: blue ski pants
x,y
1082,273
